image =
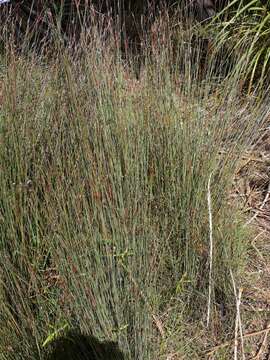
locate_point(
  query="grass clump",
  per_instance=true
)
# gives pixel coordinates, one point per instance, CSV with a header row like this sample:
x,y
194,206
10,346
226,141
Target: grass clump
x,y
245,31
103,200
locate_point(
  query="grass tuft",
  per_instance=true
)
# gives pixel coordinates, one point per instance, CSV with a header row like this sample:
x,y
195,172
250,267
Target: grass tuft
x,y
104,220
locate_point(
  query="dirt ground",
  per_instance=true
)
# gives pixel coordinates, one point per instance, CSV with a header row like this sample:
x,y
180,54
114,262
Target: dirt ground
x,y
251,190
253,187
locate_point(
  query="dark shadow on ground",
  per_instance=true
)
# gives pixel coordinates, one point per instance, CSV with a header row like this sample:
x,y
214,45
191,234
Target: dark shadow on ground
x,y
76,346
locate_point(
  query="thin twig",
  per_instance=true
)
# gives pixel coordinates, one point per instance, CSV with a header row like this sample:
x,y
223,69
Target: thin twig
x,y
210,249
259,353
173,356
236,319
238,322
158,324
261,206
230,342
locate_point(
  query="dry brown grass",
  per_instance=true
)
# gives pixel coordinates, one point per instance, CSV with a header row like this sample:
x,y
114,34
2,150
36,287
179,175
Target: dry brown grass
x,y
251,187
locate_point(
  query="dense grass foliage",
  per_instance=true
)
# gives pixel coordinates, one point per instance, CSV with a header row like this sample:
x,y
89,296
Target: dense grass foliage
x,y
245,30
104,219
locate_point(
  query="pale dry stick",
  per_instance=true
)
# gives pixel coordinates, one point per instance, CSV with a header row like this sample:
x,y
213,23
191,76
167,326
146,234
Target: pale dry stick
x,y
228,343
258,235
173,356
236,319
261,206
158,325
238,322
254,245
210,249
260,351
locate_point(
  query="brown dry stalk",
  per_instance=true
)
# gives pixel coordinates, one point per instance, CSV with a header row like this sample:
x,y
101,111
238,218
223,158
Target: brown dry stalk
x,y
260,351
230,342
261,206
